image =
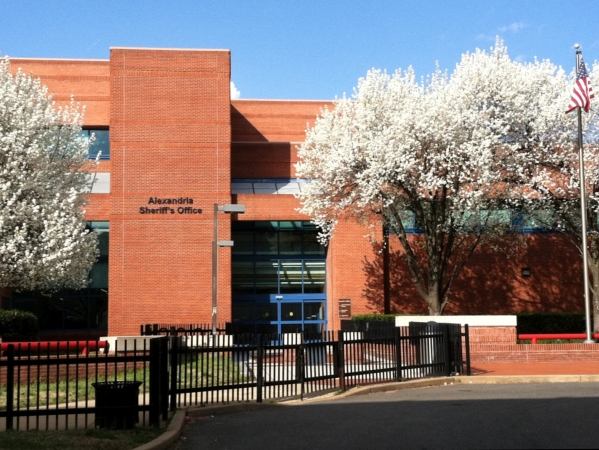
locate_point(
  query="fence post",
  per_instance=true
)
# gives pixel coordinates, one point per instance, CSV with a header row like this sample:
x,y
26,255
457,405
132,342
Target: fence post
x,y
446,349
301,365
155,383
10,385
398,354
259,374
164,377
341,360
467,343
174,372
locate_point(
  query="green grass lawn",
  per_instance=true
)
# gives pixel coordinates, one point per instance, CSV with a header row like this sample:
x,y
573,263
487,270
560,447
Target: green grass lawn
x,y
58,393
196,370
205,370
90,439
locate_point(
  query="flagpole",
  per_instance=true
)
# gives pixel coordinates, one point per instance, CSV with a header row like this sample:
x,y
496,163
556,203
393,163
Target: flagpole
x,y
583,215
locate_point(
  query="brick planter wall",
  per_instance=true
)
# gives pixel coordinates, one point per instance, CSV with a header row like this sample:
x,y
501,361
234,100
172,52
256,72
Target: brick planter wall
x,y
498,344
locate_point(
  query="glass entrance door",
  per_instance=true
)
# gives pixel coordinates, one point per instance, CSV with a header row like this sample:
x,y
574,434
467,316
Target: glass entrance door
x,y
296,302
301,313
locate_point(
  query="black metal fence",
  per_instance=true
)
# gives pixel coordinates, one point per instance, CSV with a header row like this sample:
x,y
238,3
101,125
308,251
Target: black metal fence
x,y
65,389
162,329
226,368
49,388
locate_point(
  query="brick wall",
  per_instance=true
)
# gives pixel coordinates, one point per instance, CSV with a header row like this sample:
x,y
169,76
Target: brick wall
x,y
87,80
265,135
492,281
170,138
498,344
352,262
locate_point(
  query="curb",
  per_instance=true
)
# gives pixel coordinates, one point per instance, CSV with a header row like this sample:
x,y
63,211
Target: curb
x,y
386,387
204,411
170,436
511,379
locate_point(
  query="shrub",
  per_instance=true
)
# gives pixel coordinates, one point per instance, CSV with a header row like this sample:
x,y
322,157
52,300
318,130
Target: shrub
x,y
16,325
555,322
375,317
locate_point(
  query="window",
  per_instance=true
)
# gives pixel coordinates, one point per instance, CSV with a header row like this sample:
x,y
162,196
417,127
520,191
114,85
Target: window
x,y
101,143
99,273
269,239
271,257
85,310
512,221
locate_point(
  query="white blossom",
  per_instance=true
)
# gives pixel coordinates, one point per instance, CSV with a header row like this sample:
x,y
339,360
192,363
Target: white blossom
x,y
44,243
448,150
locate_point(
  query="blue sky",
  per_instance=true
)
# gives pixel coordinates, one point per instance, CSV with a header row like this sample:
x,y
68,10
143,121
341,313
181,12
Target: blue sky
x,y
304,49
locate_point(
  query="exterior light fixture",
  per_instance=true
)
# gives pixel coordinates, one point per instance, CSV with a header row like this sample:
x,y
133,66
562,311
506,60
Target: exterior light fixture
x,y
227,209
526,271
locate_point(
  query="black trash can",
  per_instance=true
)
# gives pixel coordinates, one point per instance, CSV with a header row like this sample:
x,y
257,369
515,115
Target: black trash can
x,y
429,352
117,404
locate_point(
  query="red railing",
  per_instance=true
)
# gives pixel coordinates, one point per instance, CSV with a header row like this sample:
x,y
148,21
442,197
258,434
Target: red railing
x,y
83,346
535,337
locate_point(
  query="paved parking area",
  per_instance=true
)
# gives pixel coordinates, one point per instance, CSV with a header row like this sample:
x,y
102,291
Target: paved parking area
x,y
555,415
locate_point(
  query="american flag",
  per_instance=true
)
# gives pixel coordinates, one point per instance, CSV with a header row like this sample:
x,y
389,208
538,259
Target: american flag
x,y
583,92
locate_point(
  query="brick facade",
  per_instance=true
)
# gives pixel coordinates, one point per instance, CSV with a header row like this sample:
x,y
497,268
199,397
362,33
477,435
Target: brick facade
x,y
175,133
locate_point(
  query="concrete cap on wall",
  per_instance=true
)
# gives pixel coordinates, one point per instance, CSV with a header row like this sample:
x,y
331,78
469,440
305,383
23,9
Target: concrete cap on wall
x,y
472,321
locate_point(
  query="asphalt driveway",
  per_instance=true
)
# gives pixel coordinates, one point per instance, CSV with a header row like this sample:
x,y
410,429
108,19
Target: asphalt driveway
x,y
556,415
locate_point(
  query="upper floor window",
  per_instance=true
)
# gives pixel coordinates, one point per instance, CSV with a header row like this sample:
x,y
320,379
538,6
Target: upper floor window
x,y
101,143
278,238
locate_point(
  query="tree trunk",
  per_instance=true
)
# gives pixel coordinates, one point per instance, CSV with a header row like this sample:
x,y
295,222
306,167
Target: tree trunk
x,y
434,300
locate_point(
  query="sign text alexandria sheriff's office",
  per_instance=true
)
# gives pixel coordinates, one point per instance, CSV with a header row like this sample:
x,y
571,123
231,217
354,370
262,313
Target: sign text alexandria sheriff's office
x,y
177,205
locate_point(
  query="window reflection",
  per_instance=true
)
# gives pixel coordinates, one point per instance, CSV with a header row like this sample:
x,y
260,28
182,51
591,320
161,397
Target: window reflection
x,y
267,277
291,277
243,277
314,311
101,142
314,277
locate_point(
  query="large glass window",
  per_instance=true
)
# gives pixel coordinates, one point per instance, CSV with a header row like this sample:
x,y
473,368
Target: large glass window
x,y
101,142
84,310
99,273
276,238
291,276
271,257
314,277
266,277
265,240
243,277
278,277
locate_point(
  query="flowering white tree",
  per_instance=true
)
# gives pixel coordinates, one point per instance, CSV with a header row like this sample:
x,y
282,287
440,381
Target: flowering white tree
x,y
554,187
43,165
452,152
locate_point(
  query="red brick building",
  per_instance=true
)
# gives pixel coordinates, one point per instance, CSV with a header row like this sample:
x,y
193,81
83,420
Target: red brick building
x,y
174,144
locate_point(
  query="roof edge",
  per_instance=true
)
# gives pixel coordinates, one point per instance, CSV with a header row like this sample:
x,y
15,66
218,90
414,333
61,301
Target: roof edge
x,y
173,49
10,58
280,100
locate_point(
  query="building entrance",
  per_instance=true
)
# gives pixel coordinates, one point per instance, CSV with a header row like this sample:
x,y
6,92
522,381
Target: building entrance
x,y
278,278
